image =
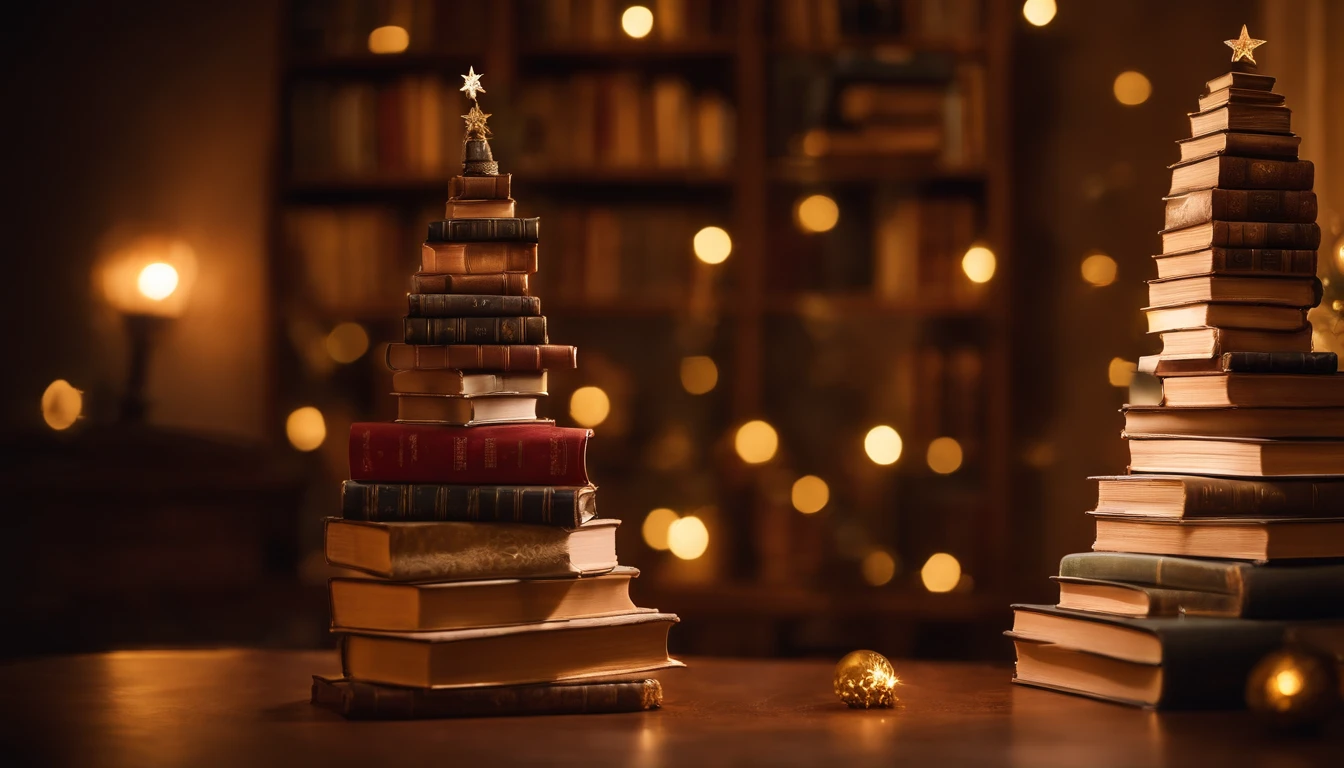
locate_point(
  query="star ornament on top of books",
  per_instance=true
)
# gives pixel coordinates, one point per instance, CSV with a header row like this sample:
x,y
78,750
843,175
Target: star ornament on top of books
x,y
1244,46
476,121
471,82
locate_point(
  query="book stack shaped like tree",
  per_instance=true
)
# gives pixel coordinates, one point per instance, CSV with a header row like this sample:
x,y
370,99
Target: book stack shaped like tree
x,y
492,585
1226,538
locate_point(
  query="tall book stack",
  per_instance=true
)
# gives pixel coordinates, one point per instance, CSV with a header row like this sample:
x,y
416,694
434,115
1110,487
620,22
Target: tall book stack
x,y
493,586
1227,536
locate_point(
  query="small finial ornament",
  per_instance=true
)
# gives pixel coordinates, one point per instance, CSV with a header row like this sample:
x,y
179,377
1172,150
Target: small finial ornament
x,y
476,127
477,159
471,82
1243,46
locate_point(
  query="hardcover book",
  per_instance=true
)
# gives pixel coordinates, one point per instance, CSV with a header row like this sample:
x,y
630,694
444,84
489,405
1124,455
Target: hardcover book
x,y
1230,172
465,410
483,230
1194,496
1258,540
478,258
496,187
481,357
475,330
1248,261
449,305
567,507
504,283
506,454
1257,317
1285,363
1210,205
358,700
1269,146
455,382
1274,423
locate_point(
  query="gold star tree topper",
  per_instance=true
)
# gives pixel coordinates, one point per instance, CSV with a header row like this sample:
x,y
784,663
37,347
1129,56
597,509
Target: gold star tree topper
x,y
1243,46
475,118
471,82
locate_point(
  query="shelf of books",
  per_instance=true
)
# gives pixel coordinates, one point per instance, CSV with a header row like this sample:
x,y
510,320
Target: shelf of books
x,y
789,215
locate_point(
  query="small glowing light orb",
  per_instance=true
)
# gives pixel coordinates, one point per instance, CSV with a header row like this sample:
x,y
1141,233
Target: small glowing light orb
x,y
699,374
944,455
657,525
61,404
882,444
817,213
712,245
1288,682
637,21
347,342
1039,12
1099,269
878,567
589,406
305,428
940,573
1132,88
688,538
815,143
389,39
157,281
810,494
1121,372
979,264
866,680
756,442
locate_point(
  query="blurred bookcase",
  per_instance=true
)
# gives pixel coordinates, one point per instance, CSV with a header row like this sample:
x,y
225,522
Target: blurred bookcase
x,y
729,114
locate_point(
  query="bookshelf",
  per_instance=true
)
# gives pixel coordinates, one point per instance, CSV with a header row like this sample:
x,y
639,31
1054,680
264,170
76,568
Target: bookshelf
x,y
801,332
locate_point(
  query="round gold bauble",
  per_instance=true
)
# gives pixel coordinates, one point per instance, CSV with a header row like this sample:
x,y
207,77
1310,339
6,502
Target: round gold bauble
x,y
1294,688
866,680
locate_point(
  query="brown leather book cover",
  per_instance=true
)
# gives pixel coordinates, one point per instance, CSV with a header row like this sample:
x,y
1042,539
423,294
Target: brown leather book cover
x,y
501,284
480,187
478,258
356,700
481,357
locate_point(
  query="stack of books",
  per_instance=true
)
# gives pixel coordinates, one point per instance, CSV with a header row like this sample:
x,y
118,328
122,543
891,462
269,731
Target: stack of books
x,y
493,586
1228,535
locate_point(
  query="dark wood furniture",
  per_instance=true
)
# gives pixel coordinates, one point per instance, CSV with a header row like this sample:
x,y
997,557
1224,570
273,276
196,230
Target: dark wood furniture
x,y
238,707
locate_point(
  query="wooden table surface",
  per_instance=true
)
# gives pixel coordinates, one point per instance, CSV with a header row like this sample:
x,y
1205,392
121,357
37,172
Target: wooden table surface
x,y
249,708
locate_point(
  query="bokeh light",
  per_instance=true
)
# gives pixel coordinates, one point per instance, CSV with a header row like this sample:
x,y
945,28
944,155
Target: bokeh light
x,y
882,444
347,342
1099,269
688,538
699,374
941,573
305,428
157,281
810,494
1121,372
1132,88
878,567
979,264
389,39
712,245
817,213
657,525
589,406
944,455
61,404
637,21
756,442
1039,12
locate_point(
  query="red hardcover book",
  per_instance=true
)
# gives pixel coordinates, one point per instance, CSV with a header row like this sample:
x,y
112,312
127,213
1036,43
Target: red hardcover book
x,y
512,454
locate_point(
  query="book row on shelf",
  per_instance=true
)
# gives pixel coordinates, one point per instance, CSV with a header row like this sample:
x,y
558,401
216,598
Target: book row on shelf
x,y
821,23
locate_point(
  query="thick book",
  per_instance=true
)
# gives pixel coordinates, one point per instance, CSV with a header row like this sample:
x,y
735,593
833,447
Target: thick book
x,y
1208,343
1231,172
358,700
1233,261
1269,146
475,330
484,230
1193,496
479,209
1286,363
465,410
1141,600
454,382
481,357
1242,457
396,607
1208,205
547,652
1300,292
503,283
1275,423
453,305
478,258
480,187
1253,118
1260,541
455,551
1246,80
1254,390
1242,234
1169,663
568,507
1232,95
1247,316
509,454
1274,591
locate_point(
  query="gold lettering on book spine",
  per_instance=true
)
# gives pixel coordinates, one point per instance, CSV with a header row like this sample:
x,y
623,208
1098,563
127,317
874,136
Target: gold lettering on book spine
x,y
459,454
491,453
559,457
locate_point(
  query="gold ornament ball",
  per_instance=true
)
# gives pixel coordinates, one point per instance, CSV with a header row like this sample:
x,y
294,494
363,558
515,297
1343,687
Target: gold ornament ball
x,y
1294,688
866,680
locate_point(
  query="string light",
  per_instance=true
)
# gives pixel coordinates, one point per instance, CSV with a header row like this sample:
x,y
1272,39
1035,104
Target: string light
x,y
878,567
1099,269
883,445
637,21
817,213
756,442
347,342
61,404
688,538
305,428
389,39
1131,88
699,374
157,281
810,494
1039,12
1121,372
944,455
657,525
941,573
712,245
589,406
979,264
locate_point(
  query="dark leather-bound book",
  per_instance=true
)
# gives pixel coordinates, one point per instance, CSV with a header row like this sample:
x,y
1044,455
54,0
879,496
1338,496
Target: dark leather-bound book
x,y
475,330
1249,261
480,187
504,284
481,357
1242,234
1234,79
1231,95
357,700
1255,118
1274,146
1307,363
457,305
1208,205
510,454
568,507
478,258
477,230
1230,172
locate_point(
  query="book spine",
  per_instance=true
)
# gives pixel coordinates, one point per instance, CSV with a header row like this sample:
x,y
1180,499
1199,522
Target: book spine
x,y
1290,262
357,700
1206,668
1259,234
1253,173
1306,592
480,187
1280,362
505,284
1262,145
478,258
1272,205
481,357
1159,571
453,305
479,209
484,230
419,502
518,454
475,330
1217,497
